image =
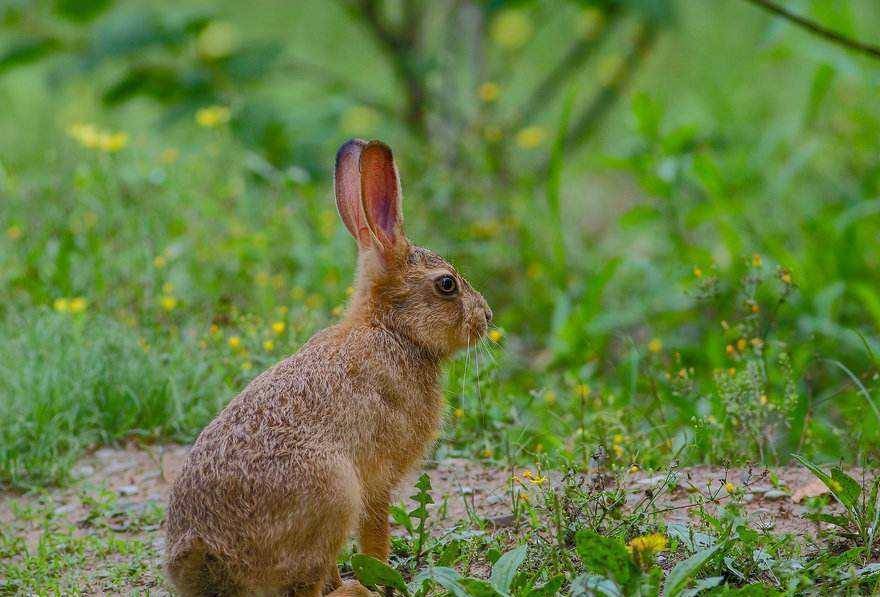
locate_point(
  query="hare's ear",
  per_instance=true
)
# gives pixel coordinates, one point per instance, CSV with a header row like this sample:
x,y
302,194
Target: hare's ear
x,y
347,182
380,195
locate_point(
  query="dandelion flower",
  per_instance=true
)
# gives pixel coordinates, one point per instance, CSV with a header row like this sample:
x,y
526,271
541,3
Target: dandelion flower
x,y
246,366
212,116
756,260
214,329
648,544
655,345
268,345
762,399
530,137
234,342
756,343
112,142
741,344
159,261
633,469
62,305
729,487
618,450
458,413
489,91
550,397
511,29
487,453
730,350
168,302
13,233
78,304
583,390
278,327
496,335
698,273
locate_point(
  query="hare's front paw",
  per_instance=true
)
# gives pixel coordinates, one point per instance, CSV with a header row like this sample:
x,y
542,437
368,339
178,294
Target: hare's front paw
x,y
352,588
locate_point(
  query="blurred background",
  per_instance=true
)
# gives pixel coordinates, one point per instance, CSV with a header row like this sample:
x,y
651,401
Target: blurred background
x,y
672,207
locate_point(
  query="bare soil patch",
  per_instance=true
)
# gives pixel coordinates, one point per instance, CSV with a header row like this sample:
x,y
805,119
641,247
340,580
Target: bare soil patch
x,y
138,479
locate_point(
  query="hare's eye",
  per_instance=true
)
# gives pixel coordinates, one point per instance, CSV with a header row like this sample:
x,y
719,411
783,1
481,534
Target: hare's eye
x,y
446,285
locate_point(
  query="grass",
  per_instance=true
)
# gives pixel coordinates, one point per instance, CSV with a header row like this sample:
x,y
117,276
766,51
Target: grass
x,y
701,286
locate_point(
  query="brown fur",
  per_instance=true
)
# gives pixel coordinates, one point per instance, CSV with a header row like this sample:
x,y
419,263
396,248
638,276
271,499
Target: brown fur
x,y
310,451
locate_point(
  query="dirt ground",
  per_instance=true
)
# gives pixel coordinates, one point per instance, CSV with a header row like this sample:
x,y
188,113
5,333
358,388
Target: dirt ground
x,y
139,479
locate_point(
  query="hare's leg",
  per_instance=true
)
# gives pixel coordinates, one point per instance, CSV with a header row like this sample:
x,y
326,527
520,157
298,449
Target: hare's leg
x,y
373,532
351,588
333,580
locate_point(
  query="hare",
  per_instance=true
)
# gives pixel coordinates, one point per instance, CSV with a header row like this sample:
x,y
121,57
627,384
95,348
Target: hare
x,y
310,451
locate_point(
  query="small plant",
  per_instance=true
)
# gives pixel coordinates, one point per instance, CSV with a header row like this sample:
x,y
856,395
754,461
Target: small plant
x,y
860,522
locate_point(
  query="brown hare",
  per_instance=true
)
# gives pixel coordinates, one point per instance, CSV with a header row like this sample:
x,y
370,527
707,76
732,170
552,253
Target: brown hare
x,y
310,451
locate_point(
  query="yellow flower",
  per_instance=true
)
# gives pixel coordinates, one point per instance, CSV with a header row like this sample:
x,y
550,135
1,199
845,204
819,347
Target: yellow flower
x,y
511,29
337,310
583,390
489,91
168,302
617,439
112,142
85,134
682,373
278,327
214,329
530,137
731,372
785,276
648,544
655,345
159,261
539,448
212,116
13,233
730,350
77,305
729,487
359,120
495,335
246,366
633,469
217,40
741,344
618,450
487,453
550,397
698,273
724,325
756,260
762,399
458,413
349,290
756,342
168,288
234,342
62,305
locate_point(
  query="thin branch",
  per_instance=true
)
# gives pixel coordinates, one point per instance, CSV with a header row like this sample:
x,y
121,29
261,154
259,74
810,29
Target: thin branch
x,y
576,56
400,47
817,29
610,92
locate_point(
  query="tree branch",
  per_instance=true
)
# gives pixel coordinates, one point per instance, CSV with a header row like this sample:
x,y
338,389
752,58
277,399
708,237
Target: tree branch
x,y
576,56
817,29
400,48
610,92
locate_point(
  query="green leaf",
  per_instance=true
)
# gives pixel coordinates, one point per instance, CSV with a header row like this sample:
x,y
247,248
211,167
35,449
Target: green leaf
x,y
447,578
606,557
480,588
683,572
588,585
505,568
372,573
850,490
401,517
548,589
710,582
844,488
81,11
821,85
27,51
